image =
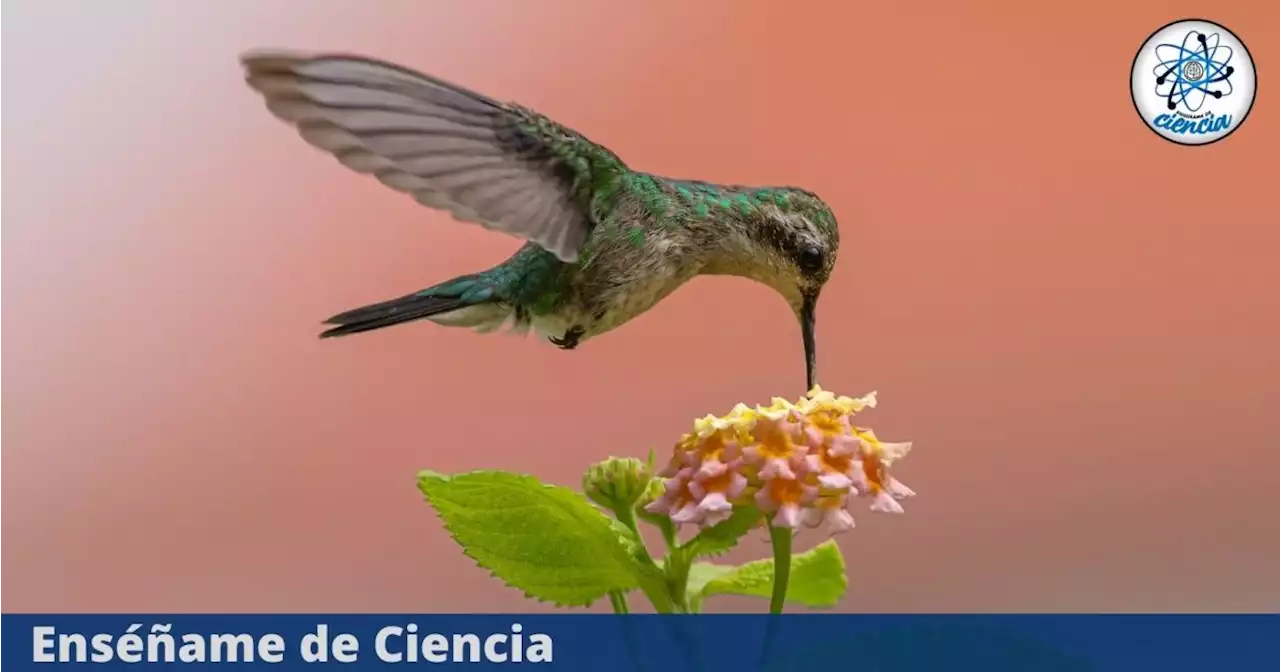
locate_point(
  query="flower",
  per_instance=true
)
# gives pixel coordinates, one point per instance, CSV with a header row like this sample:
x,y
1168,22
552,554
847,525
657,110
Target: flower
x,y
819,398
678,501
778,445
691,497
785,497
877,456
799,463
830,510
714,494
833,465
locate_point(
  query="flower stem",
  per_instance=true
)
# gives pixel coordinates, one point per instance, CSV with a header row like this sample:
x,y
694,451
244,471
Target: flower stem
x,y
628,519
781,538
619,601
659,595
677,570
669,534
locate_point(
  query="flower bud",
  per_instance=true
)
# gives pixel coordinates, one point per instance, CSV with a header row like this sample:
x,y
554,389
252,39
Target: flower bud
x,y
616,483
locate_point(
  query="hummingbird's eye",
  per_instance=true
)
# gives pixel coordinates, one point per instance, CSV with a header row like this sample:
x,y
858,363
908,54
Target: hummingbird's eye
x,y
811,259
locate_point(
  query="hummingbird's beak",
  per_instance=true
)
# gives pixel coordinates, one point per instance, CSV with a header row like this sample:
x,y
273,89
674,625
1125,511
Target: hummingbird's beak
x,y
807,319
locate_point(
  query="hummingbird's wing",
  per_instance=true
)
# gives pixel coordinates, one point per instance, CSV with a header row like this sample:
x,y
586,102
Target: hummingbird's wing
x,y
495,164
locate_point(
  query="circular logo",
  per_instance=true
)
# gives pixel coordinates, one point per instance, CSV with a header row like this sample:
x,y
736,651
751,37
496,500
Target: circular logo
x,y
1193,82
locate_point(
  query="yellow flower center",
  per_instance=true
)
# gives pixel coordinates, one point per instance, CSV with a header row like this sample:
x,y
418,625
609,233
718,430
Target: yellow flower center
x,y
712,447
873,467
719,483
773,441
835,463
785,491
831,502
827,421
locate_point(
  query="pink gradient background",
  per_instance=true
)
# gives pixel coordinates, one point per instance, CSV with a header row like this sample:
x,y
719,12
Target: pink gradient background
x,y
1073,319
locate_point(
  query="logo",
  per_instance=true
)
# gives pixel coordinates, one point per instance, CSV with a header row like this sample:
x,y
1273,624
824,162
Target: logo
x,y
1193,82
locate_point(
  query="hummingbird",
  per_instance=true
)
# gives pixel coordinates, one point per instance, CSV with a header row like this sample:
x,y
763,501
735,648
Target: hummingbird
x,y
603,243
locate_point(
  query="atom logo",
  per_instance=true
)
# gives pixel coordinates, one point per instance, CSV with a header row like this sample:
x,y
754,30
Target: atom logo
x,y
1189,73
1204,83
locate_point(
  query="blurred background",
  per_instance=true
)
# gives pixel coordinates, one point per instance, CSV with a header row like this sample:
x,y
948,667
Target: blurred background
x,y
1074,320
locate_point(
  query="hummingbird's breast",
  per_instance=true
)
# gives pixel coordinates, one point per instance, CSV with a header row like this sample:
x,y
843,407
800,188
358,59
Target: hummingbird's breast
x,y
651,240
619,277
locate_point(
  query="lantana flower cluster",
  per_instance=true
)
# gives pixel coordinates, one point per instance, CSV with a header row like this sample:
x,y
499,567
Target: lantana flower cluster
x,y
800,463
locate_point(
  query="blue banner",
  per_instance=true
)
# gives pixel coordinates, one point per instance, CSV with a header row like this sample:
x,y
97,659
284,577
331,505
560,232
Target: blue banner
x,y
644,643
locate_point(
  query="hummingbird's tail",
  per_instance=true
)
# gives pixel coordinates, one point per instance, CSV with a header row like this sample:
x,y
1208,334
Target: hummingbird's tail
x,y
468,301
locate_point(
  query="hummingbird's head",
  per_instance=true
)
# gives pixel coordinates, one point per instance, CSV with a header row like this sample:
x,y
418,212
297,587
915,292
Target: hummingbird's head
x,y
792,246
810,241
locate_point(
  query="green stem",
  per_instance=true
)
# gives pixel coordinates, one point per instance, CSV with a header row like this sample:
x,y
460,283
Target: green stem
x,y
628,519
678,564
781,538
669,534
619,601
653,589
658,597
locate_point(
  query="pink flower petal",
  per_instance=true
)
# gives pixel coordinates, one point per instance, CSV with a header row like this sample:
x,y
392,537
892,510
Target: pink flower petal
x,y
710,469
839,520
843,445
714,501
714,518
776,467
687,514
835,480
764,501
659,506
696,489
736,485
884,503
859,479
714,468
897,490
790,515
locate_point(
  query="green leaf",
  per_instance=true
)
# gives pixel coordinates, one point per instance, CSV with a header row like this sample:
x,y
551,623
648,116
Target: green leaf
x,y
817,578
546,540
723,536
700,574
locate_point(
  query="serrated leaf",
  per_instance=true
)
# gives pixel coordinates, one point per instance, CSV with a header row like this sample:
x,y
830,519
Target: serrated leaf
x,y
723,536
817,578
546,540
